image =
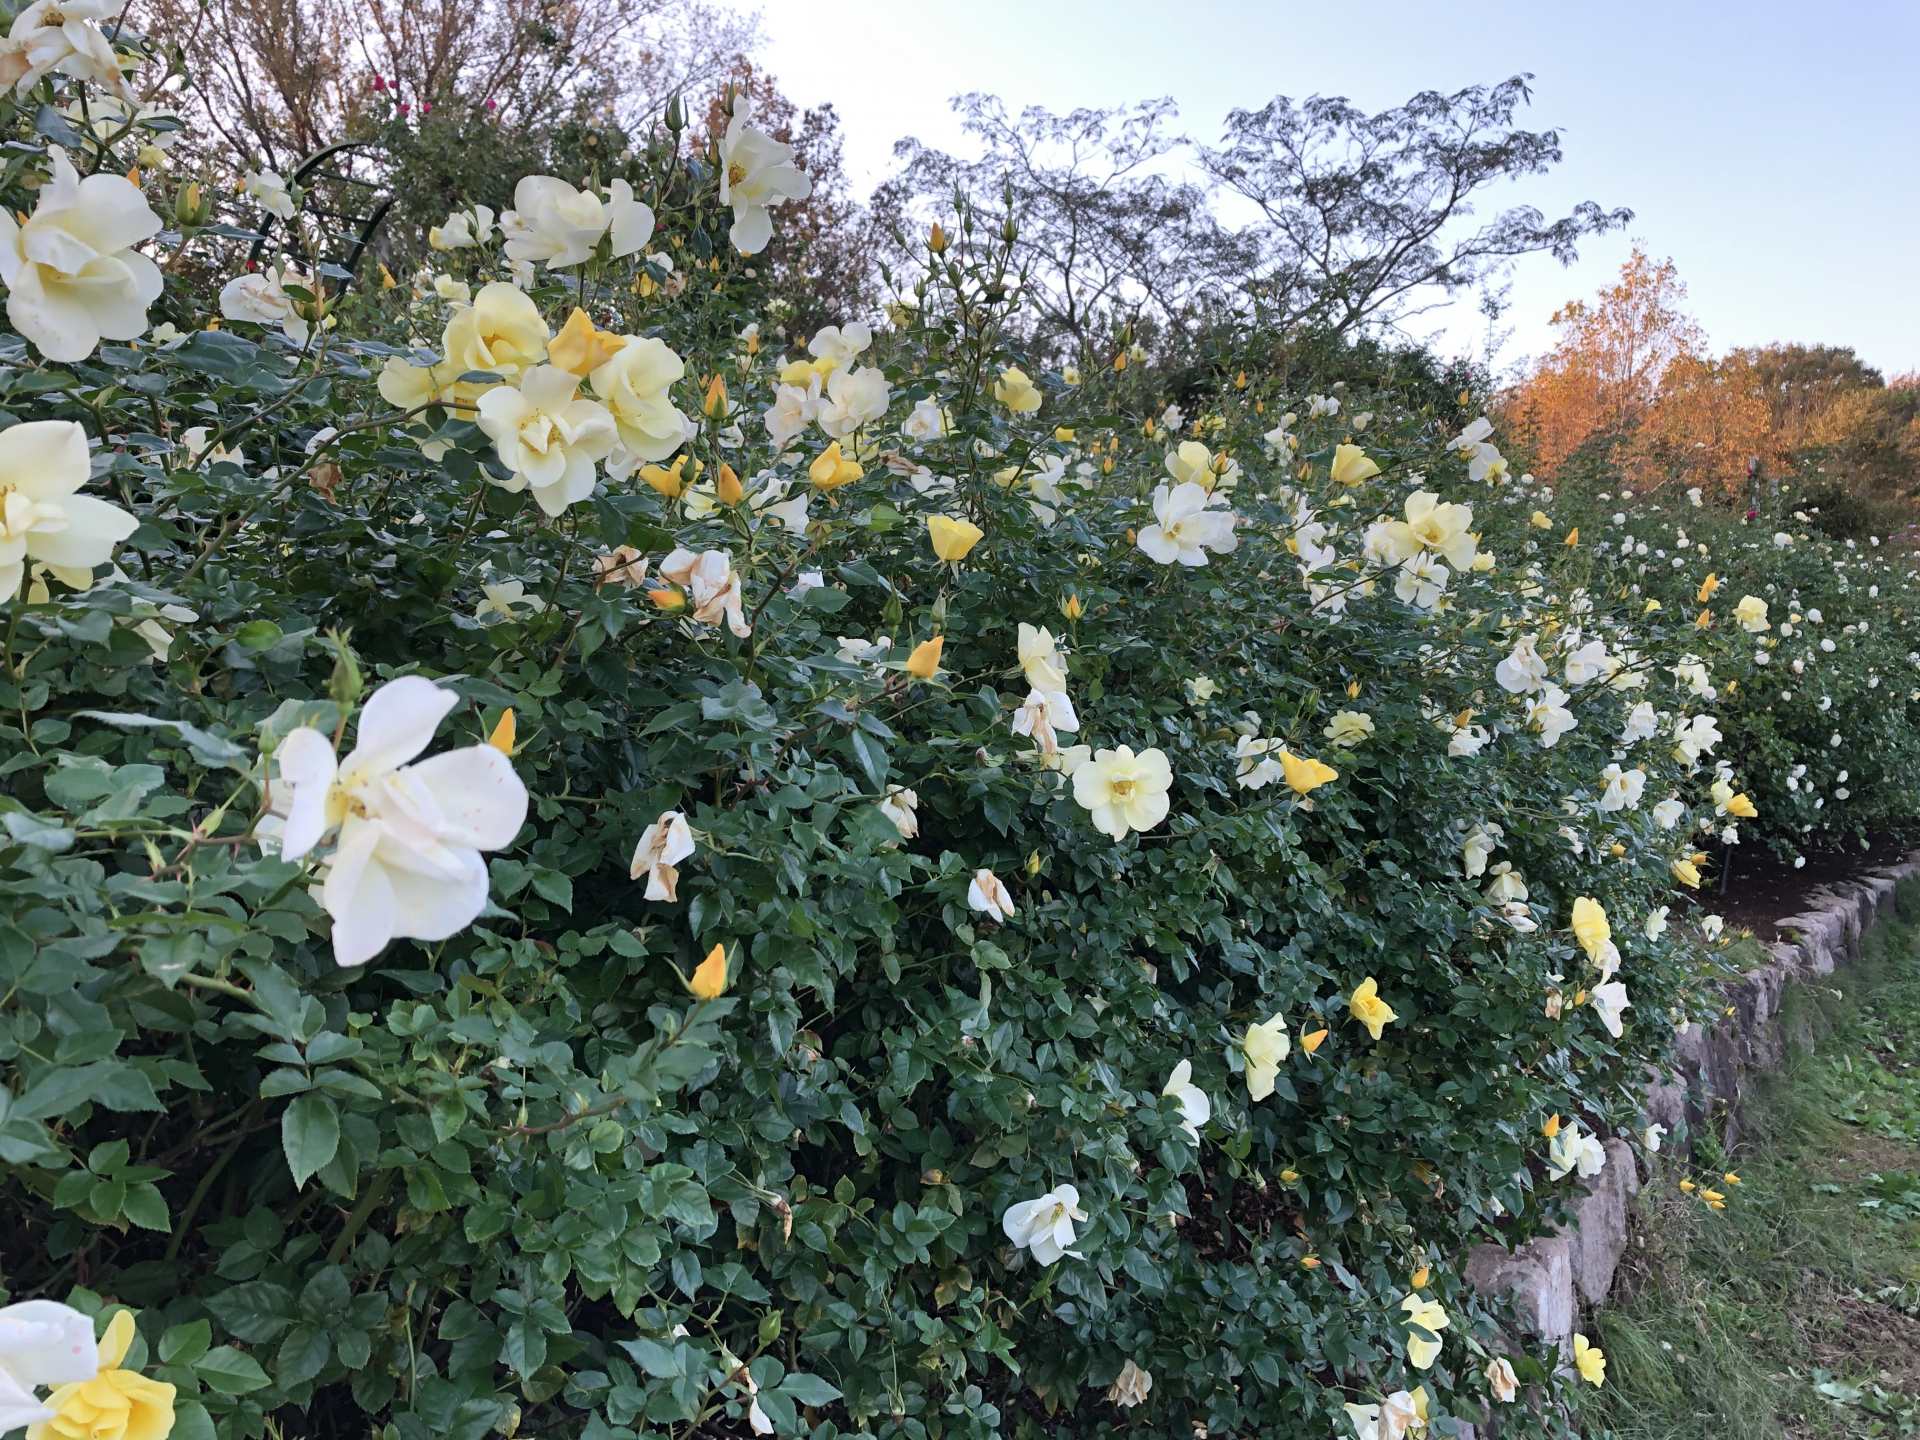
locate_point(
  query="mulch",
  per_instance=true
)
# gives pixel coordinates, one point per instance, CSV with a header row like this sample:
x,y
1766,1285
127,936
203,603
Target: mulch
x,y
1762,890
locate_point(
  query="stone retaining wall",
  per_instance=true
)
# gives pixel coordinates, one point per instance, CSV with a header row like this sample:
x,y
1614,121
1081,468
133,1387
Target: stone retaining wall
x,y
1551,1277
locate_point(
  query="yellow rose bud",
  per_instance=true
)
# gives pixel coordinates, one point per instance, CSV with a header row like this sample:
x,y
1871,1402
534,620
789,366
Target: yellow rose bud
x,y
1707,587
728,487
1573,536
937,239
1540,521
1310,1263
1120,362
952,537
1289,1175
1421,1276
1063,434
715,404
1616,849
1705,620
924,662
1071,607
710,979
1552,1126
668,481
1313,1041
1687,873
502,737
671,601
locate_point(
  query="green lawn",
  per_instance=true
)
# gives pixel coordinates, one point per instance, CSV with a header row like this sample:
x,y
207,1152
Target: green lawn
x,y
1795,1311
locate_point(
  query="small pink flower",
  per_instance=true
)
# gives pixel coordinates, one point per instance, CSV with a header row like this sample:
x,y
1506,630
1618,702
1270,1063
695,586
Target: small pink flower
x,y
379,83
405,109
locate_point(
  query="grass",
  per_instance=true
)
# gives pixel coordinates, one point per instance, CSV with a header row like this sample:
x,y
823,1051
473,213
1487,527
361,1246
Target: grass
x,y
1794,1313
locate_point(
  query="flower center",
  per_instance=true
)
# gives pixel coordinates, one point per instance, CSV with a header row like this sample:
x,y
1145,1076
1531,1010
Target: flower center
x,y
736,172
1122,789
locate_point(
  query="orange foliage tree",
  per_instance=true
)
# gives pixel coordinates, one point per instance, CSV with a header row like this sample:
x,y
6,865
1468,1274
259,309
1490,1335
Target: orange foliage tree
x,y
1630,390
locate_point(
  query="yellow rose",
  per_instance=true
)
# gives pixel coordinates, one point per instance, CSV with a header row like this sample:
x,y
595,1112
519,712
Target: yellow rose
x,y
1305,775
1751,612
579,349
1349,728
501,333
1591,1362
1351,466
1369,1009
952,538
1264,1046
1429,1316
1015,391
1707,587
115,1405
1687,873
831,469
1590,927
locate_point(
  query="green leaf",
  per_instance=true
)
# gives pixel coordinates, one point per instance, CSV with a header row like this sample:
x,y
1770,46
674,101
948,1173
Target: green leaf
x,y
554,886
230,1371
144,1207
209,749
808,1390
526,1346
253,1312
184,1344
309,1133
112,1083
303,1355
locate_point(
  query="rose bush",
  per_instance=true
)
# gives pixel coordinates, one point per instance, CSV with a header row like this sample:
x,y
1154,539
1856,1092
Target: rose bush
x,y
1810,643
589,867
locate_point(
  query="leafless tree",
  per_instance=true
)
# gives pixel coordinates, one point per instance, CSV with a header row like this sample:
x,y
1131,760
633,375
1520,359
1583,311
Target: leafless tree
x,y
1364,214
281,78
1105,237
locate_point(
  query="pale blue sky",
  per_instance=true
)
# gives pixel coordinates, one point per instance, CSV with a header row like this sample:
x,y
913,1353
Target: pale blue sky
x,y
1769,148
